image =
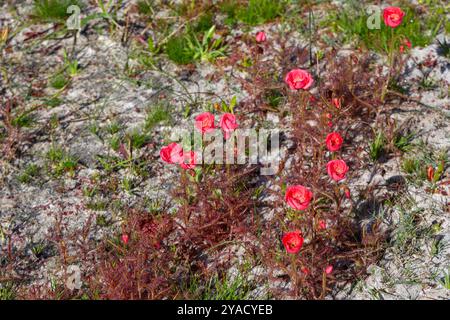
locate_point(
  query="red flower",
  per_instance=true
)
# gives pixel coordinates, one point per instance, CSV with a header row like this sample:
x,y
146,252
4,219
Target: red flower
x,y
293,241
305,270
228,124
189,160
204,122
430,173
337,169
322,225
298,79
125,238
173,153
261,36
336,102
329,269
393,16
407,43
298,197
334,141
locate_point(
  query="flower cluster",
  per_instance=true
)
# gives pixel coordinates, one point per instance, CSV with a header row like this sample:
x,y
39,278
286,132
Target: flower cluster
x,y
299,197
205,123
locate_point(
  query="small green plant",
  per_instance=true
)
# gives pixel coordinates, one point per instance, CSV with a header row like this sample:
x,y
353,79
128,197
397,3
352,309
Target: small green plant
x,y
109,10
403,142
59,81
114,127
67,164
102,221
127,185
24,120
204,23
274,97
254,13
31,171
156,115
89,191
61,162
229,107
38,249
137,139
53,10
217,288
444,48
153,205
208,49
436,246
427,83
377,147
145,7
97,205
261,11
411,165
176,50
114,142
192,46
53,102
425,164
71,65
407,230
55,154
229,8
7,291
445,280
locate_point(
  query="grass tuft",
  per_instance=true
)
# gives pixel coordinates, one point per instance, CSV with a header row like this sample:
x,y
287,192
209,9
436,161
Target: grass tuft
x,y
176,50
156,115
256,12
377,147
7,291
53,10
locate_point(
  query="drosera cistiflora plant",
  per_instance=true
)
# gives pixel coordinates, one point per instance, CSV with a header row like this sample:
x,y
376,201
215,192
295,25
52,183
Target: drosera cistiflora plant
x,y
223,206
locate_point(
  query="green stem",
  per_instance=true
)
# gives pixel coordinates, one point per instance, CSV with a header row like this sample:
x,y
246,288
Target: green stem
x,y
390,64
